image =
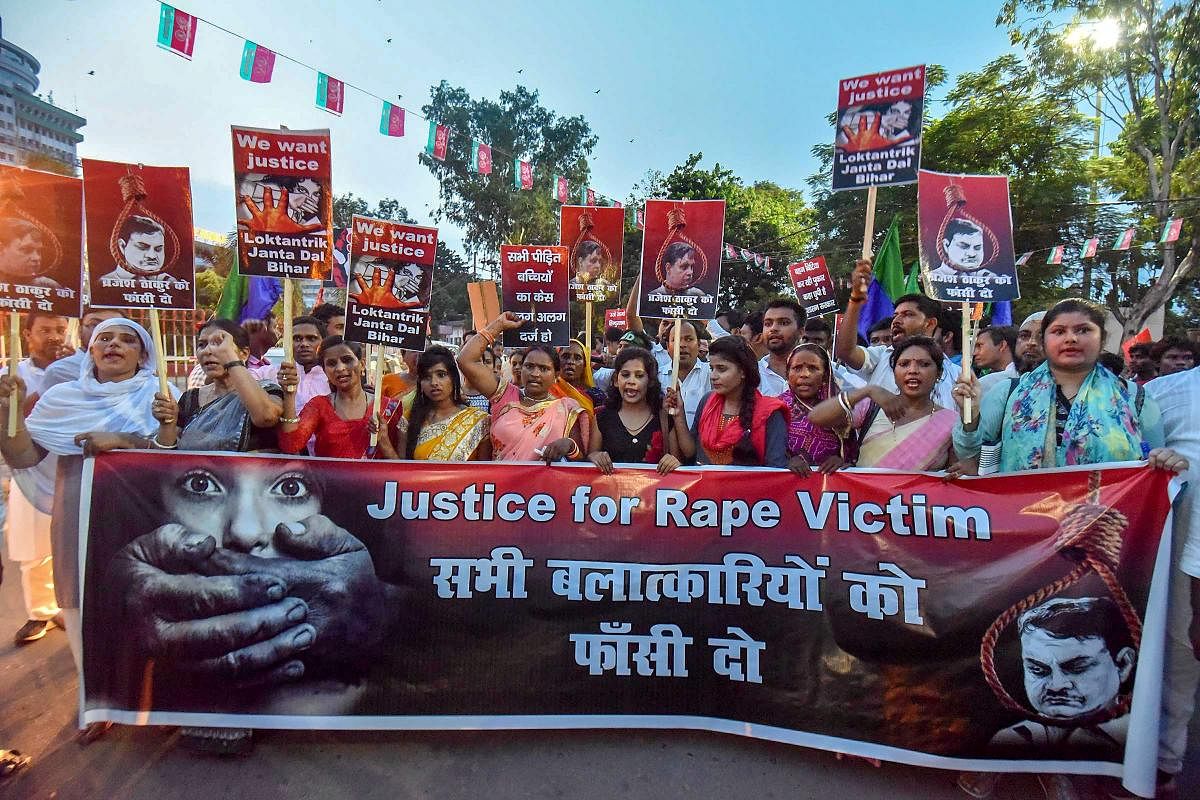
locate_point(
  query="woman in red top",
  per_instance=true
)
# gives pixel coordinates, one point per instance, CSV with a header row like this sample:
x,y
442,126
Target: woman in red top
x,y
340,421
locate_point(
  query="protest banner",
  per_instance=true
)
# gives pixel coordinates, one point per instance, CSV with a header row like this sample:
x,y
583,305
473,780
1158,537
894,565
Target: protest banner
x,y
966,241
139,236
284,202
616,318
886,615
681,259
595,237
878,139
813,286
391,280
533,282
41,242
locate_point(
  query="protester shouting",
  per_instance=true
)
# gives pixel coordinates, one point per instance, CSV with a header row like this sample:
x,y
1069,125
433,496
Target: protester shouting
x,y
811,382
576,379
529,423
908,430
634,425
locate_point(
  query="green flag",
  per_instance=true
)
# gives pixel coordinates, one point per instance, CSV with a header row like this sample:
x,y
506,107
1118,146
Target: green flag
x,y
889,268
912,284
233,294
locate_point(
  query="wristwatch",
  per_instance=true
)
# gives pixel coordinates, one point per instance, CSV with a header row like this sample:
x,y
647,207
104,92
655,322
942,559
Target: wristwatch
x,y
231,364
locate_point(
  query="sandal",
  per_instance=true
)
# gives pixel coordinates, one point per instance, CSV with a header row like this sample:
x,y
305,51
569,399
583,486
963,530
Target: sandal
x,y
11,761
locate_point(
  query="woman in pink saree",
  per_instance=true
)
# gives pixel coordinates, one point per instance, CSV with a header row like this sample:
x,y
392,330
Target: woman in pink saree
x,y
529,423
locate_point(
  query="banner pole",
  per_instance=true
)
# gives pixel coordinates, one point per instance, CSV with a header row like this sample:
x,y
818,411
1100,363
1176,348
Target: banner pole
x,y
160,357
587,330
14,358
378,391
675,352
869,227
968,350
288,355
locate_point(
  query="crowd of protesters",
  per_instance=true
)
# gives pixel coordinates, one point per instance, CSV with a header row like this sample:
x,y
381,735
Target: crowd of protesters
x,y
767,388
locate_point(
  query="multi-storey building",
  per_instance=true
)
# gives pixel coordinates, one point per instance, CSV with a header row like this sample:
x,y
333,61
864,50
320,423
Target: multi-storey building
x,y
30,125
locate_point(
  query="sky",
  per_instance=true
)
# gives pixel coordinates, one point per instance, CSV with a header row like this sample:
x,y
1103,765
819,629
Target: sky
x,y
749,85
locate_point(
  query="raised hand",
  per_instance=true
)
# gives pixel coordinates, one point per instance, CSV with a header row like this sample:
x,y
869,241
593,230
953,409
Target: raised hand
x,y
273,216
868,137
379,291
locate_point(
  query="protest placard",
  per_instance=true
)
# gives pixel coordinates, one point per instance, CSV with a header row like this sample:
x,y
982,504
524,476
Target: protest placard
x,y
41,242
878,138
391,280
813,286
966,242
139,236
681,259
616,318
595,237
533,280
284,198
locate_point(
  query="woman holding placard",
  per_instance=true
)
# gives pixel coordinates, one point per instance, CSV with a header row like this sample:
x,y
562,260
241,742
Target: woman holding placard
x,y
530,423
441,426
735,423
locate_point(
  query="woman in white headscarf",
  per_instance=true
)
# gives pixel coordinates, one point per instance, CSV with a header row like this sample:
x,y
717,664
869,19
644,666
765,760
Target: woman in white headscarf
x,y
110,406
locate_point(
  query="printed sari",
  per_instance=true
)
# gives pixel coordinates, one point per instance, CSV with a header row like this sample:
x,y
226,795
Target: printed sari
x,y
453,439
518,430
922,445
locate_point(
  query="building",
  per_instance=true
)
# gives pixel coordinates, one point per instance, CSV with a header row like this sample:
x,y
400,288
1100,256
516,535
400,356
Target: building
x,y
29,125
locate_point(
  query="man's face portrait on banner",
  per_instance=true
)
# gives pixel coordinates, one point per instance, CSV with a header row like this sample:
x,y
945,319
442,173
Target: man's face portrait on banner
x,y
679,266
20,250
1073,656
143,245
589,261
964,245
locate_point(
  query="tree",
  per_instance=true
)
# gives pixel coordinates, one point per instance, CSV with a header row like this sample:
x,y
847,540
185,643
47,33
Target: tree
x,y
488,208
1148,87
208,290
765,218
451,273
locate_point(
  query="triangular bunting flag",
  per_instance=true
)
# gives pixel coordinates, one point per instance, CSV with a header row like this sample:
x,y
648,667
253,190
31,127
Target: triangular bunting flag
x,y
559,189
522,174
391,123
1024,259
746,254
1124,241
730,252
1089,248
766,262
1056,254
331,94
639,218
1171,230
439,141
617,204
176,31
481,157
589,196
758,259
258,63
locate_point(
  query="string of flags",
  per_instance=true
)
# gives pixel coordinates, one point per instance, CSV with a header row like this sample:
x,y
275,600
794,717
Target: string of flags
x,y
1124,241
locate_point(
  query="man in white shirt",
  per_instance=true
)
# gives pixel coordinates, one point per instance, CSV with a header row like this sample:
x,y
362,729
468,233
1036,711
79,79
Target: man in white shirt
x,y
994,350
693,373
26,529
307,334
67,368
1178,398
783,325
915,315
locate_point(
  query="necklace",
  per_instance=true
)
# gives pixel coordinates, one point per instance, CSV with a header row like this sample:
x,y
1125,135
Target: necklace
x,y
634,432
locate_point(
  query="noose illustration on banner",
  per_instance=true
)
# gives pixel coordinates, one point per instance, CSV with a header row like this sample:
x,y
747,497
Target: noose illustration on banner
x,y
134,214
584,246
956,203
12,197
676,223
1090,535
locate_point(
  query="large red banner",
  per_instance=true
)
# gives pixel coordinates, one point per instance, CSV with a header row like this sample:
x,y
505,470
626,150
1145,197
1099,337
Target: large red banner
x,y
41,241
889,615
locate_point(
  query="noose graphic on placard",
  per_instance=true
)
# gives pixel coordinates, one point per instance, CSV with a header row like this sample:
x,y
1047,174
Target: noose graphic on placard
x,y
1089,534
956,203
133,194
12,197
676,223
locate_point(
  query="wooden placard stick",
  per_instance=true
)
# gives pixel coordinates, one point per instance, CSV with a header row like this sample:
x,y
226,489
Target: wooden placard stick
x,y
14,358
869,226
160,355
678,323
379,359
288,355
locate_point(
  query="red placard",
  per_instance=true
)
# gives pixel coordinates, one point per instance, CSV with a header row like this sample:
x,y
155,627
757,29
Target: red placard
x,y
139,236
681,258
616,318
878,138
41,248
284,202
391,280
813,286
596,240
534,283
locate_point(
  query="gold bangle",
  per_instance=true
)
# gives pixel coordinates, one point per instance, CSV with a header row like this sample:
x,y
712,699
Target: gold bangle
x,y
289,420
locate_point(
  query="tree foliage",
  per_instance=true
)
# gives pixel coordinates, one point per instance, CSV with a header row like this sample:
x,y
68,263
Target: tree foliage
x,y
488,208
